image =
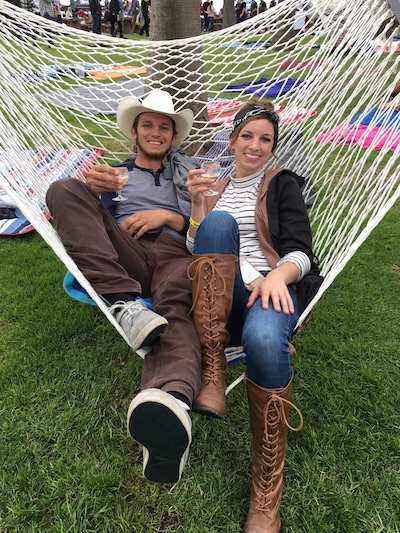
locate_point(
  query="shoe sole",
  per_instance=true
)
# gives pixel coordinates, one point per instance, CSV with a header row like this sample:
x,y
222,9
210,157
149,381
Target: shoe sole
x,y
206,411
164,435
149,334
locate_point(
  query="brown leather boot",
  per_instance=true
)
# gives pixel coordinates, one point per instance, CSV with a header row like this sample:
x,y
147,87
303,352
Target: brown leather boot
x,y
212,278
269,414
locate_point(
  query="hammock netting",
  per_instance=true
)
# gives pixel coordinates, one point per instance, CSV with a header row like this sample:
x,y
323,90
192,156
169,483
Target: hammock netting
x,y
330,83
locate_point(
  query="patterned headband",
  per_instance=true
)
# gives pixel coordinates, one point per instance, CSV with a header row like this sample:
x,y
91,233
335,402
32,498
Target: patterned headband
x,y
252,112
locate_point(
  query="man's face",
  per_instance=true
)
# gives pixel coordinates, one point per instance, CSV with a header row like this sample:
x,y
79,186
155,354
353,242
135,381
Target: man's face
x,y
154,135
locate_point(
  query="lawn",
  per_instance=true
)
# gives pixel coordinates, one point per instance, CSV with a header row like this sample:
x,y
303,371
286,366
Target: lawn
x,y
67,378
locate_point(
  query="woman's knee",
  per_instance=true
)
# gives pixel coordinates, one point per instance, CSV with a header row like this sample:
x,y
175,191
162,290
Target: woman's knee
x,y
218,222
218,233
262,343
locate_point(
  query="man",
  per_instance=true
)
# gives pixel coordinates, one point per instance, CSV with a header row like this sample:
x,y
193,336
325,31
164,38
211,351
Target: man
x,y
241,11
29,5
134,10
205,10
95,10
262,7
145,7
140,251
114,16
48,11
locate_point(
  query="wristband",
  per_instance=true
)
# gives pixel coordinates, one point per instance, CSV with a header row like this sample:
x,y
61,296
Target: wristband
x,y
193,223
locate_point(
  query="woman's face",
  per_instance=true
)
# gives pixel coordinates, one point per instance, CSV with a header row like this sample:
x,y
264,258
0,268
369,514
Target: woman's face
x,y
253,146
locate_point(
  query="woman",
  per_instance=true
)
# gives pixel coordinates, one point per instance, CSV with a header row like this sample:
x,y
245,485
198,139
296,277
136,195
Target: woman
x,y
241,11
253,273
145,7
211,14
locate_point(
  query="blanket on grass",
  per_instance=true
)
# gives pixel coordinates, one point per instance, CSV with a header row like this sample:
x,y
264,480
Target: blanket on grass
x,y
61,163
95,99
269,87
362,136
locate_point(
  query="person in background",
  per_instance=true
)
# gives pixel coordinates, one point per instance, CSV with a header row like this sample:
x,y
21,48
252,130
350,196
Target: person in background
x,y
145,7
106,17
253,273
253,9
211,14
205,10
57,10
95,10
114,16
47,9
73,8
81,14
29,5
137,250
121,18
241,11
134,11
262,6
203,14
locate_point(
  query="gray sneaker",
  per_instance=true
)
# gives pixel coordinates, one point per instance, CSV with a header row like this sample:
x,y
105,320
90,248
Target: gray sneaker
x,y
141,325
163,428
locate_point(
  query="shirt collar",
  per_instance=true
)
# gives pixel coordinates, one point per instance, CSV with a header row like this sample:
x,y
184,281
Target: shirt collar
x,y
253,179
132,164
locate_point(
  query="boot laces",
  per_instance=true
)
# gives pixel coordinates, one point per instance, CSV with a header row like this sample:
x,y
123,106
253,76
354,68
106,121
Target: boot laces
x,y
211,271
275,420
205,267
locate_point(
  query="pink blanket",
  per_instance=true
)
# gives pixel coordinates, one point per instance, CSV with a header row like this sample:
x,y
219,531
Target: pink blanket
x,y
286,117
308,64
354,135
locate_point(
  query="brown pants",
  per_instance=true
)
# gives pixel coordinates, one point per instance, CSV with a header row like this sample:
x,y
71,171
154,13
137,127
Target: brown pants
x,y
152,266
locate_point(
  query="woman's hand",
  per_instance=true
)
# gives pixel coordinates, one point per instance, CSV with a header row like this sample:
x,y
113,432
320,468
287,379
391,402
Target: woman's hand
x,y
103,178
273,286
197,185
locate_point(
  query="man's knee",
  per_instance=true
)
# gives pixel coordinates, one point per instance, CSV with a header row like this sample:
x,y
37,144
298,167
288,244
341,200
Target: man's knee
x,y
58,190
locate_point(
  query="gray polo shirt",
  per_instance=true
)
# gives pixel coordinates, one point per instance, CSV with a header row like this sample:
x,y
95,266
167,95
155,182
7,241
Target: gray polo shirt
x,y
146,191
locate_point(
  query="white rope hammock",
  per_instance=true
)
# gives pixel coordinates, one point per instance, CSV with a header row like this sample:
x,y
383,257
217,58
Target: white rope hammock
x,y
59,89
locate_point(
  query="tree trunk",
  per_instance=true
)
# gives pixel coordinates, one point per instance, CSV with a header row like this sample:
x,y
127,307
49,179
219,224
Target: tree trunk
x,y
174,19
229,14
178,68
284,35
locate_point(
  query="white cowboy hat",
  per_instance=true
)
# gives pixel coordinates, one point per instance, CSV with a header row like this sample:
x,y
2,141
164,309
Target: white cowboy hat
x,y
157,101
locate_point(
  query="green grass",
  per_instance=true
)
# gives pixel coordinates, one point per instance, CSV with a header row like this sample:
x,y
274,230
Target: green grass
x,y
67,378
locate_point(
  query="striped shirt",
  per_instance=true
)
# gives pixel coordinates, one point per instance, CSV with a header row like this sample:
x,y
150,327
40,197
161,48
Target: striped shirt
x,y
239,200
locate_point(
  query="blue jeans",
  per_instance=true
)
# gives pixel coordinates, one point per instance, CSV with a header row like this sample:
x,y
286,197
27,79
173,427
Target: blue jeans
x,y
96,28
264,333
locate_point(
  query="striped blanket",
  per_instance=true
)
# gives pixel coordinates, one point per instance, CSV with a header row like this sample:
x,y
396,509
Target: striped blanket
x,y
60,163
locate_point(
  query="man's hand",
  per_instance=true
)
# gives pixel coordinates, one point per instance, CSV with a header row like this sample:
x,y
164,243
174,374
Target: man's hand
x,y
143,221
103,178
